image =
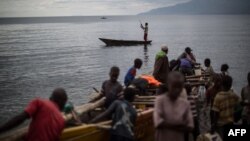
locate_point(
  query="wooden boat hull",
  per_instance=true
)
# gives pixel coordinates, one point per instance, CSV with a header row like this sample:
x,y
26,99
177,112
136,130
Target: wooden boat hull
x,y
144,130
112,42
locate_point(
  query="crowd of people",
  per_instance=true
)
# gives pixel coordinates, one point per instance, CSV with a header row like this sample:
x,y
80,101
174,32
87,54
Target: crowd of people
x,y
175,110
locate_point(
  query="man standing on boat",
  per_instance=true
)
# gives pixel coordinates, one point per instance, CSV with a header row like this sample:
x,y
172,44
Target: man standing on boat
x,y
161,66
145,28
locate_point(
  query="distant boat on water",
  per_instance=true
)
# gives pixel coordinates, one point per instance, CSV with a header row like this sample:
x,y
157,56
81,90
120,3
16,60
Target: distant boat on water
x,y
104,18
113,42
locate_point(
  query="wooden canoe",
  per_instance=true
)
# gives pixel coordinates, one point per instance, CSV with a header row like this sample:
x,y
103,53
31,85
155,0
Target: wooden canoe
x,y
144,130
113,42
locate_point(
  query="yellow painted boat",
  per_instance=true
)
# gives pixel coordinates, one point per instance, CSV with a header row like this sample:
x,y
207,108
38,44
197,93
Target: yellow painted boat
x,y
144,130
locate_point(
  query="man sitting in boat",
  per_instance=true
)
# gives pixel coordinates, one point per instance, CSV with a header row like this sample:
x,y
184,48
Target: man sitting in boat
x,y
111,88
189,55
123,119
145,28
47,121
186,66
130,76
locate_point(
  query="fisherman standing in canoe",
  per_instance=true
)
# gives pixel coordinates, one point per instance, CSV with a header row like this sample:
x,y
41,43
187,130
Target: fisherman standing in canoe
x,y
145,28
47,121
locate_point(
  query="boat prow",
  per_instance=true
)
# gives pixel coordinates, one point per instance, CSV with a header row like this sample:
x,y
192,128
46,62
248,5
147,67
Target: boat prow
x,y
113,42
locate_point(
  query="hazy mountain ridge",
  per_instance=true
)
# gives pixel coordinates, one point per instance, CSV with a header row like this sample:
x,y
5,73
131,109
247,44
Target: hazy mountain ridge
x,y
205,7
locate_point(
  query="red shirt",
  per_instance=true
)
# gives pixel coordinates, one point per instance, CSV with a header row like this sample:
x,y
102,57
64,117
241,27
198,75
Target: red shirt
x,y
47,122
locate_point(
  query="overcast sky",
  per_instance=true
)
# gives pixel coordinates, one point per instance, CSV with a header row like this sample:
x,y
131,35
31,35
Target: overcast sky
x,y
27,8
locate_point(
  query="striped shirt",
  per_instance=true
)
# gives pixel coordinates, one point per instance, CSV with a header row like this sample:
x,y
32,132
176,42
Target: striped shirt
x,y
224,103
192,100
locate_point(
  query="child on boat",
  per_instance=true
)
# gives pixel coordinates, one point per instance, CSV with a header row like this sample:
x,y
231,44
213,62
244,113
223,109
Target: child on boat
x,y
111,89
224,69
123,117
209,69
130,76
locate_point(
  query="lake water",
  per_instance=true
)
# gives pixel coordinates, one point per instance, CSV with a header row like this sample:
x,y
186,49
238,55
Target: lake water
x,y
37,57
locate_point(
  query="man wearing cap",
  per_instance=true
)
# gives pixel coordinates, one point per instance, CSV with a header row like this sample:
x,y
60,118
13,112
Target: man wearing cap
x,y
189,55
161,66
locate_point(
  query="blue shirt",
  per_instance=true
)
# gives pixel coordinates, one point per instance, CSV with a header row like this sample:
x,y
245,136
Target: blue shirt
x,y
185,63
130,76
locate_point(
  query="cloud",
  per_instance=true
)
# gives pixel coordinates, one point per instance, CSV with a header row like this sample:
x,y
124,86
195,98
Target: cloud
x,y
16,8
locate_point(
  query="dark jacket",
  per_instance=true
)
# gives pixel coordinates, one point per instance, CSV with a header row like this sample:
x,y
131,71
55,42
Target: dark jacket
x,y
161,67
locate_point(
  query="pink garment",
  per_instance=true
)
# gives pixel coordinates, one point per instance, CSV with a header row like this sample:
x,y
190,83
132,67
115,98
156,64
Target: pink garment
x,y
172,113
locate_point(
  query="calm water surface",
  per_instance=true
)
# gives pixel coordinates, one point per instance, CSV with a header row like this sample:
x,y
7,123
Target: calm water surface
x,y
37,57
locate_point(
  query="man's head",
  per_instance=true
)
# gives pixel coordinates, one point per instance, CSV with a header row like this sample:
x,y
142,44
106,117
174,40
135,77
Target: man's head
x,y
137,63
207,62
248,78
114,73
227,82
175,84
164,48
129,94
146,24
224,67
188,50
59,96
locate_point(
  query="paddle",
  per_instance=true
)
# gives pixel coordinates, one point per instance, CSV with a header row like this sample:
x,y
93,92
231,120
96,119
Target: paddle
x,y
141,24
95,90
